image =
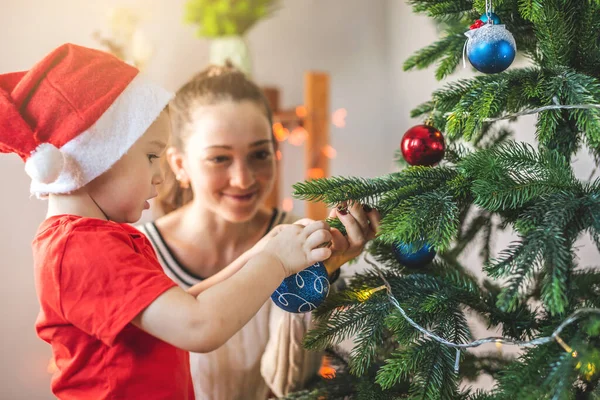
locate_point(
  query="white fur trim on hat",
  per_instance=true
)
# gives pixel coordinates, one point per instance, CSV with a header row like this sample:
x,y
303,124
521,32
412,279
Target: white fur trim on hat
x,y
45,163
94,151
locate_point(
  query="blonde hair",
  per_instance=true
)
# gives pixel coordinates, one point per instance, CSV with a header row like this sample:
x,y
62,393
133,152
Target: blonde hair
x,y
213,85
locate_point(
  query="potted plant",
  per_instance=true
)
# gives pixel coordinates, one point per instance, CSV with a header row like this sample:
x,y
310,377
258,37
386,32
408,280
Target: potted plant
x,y
225,23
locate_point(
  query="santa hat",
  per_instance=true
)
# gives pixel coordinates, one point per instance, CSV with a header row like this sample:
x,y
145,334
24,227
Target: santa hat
x,y
75,114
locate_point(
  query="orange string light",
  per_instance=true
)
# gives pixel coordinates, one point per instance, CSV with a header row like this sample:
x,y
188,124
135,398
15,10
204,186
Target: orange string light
x,y
301,112
329,152
338,118
315,173
327,371
298,136
280,132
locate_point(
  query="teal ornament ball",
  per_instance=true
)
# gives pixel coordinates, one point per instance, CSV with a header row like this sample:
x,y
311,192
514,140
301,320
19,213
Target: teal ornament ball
x,y
490,16
416,255
303,291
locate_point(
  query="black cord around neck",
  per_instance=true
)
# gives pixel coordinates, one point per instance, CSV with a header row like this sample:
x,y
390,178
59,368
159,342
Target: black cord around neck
x,y
99,208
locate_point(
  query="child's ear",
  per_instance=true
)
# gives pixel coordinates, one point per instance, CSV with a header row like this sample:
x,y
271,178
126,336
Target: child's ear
x,y
175,160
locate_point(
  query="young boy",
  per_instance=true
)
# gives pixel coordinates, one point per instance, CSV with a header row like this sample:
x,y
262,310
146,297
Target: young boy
x,y
90,129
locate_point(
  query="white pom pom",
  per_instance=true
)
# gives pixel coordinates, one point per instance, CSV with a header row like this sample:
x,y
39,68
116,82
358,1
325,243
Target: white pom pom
x,y
45,163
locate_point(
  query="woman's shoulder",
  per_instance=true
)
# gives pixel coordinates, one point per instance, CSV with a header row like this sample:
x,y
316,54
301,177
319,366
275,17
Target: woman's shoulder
x,y
153,229
283,217
152,234
144,227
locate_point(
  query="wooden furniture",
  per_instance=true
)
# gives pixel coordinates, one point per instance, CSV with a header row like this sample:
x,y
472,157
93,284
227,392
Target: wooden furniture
x,y
313,116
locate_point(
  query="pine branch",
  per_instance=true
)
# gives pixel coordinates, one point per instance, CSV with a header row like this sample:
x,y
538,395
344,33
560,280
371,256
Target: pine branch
x,y
446,51
570,87
455,9
473,228
587,56
431,367
585,286
472,366
520,323
555,31
531,9
429,216
468,103
512,174
335,190
367,339
521,260
486,250
491,138
490,101
345,314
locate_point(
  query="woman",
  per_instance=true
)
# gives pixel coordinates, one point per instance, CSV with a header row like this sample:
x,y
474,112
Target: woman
x,y
221,167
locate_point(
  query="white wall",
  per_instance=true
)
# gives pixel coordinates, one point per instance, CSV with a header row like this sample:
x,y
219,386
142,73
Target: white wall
x,y
345,38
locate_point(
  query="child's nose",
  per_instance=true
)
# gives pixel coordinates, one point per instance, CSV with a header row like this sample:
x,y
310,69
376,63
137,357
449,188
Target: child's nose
x,y
158,177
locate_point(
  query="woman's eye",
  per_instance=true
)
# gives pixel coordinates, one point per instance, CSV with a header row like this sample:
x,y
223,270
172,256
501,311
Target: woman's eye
x,y
152,157
262,155
219,159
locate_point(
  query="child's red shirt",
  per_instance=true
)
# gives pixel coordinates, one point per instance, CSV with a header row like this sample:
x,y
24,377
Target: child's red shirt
x,y
92,278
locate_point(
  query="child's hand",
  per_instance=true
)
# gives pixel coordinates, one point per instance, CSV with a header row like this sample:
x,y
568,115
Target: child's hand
x,y
298,247
362,224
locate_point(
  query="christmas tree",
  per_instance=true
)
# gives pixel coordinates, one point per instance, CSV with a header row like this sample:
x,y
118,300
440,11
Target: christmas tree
x,y
408,313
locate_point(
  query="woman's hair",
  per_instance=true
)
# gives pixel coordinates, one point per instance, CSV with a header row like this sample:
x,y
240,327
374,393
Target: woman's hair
x,y
214,85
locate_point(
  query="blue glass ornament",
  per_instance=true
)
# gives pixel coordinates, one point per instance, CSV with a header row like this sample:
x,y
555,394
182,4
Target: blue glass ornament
x,y
491,49
416,255
494,17
304,291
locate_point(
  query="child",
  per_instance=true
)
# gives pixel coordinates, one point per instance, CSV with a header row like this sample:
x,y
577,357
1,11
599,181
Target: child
x,y
90,129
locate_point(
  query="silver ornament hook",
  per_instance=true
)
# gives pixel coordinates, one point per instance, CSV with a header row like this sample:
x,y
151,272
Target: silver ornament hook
x,y
465,53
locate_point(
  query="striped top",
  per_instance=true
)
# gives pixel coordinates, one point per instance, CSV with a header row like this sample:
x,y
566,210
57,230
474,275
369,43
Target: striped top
x,y
266,354
173,267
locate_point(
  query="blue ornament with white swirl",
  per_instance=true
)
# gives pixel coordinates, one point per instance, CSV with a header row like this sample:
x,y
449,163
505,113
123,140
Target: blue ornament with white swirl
x,y
490,49
303,291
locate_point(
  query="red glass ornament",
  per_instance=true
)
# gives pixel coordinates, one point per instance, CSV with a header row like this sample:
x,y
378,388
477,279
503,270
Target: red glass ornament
x,y
423,145
477,24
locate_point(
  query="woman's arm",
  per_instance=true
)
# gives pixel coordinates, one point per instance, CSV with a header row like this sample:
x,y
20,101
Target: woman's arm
x,y
286,365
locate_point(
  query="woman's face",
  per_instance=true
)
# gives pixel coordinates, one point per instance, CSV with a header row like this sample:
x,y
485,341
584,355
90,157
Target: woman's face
x,y
229,159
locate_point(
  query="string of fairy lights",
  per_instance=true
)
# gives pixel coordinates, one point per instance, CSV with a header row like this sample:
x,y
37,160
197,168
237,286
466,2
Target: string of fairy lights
x,y
554,337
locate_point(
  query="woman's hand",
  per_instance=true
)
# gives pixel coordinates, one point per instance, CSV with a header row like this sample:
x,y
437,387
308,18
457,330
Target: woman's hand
x,y
361,223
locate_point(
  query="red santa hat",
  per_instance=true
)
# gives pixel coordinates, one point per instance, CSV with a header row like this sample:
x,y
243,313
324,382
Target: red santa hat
x,y
75,114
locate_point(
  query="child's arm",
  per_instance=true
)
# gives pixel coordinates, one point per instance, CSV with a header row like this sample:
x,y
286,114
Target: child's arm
x,y
204,323
361,226
235,266
220,276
